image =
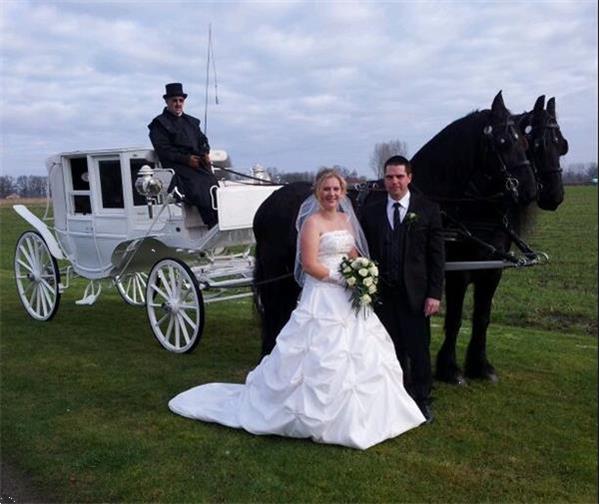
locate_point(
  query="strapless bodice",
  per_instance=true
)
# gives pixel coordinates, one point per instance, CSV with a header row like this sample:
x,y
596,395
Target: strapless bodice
x,y
333,245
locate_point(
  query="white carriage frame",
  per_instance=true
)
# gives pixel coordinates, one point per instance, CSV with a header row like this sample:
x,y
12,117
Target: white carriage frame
x,y
105,242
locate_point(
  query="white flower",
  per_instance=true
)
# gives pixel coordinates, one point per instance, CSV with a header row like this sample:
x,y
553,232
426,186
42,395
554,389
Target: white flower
x,y
363,272
364,261
365,299
367,281
372,289
351,281
347,270
374,270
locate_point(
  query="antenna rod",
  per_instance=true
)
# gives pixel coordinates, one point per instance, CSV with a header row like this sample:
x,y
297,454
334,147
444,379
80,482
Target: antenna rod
x,y
207,72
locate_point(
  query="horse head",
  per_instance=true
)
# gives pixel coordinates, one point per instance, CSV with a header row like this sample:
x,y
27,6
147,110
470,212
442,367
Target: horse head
x,y
546,145
509,167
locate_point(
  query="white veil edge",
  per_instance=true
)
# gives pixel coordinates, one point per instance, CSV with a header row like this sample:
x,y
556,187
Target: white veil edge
x,y
311,206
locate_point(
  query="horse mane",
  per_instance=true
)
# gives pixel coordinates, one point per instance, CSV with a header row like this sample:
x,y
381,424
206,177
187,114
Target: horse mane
x,y
442,165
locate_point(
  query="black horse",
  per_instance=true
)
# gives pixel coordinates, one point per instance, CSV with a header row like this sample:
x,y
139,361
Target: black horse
x,y
497,224
483,152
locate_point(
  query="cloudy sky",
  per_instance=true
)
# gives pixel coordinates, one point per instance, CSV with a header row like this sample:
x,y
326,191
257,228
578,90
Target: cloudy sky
x,y
300,84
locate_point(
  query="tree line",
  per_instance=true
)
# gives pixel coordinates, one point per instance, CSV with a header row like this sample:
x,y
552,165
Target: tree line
x,y
35,186
25,186
581,173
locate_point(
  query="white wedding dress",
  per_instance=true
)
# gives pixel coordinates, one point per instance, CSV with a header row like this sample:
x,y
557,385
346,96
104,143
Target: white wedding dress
x,y
333,375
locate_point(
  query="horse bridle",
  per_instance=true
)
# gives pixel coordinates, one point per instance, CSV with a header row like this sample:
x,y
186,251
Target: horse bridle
x,y
511,184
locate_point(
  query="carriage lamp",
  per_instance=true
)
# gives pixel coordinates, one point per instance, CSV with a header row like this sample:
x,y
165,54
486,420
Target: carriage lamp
x,y
148,186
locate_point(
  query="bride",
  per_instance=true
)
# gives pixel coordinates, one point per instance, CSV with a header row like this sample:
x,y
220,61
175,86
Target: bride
x,y
333,375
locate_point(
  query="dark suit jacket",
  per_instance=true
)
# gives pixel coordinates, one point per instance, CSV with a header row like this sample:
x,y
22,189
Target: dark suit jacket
x,y
423,269
175,138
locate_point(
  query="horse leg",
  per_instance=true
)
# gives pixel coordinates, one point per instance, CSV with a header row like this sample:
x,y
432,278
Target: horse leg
x,y
446,368
278,301
476,362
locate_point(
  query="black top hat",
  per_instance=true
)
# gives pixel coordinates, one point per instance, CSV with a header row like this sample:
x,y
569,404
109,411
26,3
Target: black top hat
x,y
174,89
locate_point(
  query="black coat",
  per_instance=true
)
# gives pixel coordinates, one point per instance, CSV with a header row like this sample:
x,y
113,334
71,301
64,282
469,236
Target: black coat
x,y
176,138
422,273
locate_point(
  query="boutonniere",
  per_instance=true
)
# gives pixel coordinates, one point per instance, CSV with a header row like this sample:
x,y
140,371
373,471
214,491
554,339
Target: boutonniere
x,y
411,218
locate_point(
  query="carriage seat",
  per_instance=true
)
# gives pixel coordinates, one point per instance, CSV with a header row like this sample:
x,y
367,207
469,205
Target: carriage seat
x,y
191,217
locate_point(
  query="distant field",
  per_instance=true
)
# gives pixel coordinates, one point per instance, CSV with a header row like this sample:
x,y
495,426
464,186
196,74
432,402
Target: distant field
x,y
84,399
8,203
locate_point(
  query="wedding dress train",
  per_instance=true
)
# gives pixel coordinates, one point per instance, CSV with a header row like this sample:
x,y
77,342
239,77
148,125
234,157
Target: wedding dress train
x,y
333,375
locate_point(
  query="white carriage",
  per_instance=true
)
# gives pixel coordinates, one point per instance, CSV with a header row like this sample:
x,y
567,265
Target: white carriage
x,y
113,218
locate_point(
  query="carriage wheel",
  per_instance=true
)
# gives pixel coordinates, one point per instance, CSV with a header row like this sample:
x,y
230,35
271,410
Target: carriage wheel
x,y
37,276
175,306
132,288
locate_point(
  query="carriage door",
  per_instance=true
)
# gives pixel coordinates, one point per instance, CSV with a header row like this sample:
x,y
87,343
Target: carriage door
x,y
75,236
110,220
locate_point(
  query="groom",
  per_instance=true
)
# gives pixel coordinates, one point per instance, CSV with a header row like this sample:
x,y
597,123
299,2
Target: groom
x,y
404,234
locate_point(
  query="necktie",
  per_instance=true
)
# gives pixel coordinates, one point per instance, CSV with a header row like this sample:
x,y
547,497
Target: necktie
x,y
396,217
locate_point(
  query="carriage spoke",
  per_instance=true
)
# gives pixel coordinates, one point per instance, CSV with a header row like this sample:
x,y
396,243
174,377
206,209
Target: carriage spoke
x,y
187,318
38,299
30,302
187,291
173,280
38,255
28,287
51,288
48,292
128,286
141,283
181,322
165,283
26,266
169,327
189,307
43,300
31,254
177,332
159,322
161,293
27,257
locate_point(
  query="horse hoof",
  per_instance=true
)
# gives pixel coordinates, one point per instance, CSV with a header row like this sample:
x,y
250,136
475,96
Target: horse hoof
x,y
460,381
453,379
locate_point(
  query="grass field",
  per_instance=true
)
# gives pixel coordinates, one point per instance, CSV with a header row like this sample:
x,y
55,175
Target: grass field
x,y
83,400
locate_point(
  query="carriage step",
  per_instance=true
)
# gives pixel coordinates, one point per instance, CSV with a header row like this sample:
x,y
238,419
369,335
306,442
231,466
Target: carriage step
x,y
91,293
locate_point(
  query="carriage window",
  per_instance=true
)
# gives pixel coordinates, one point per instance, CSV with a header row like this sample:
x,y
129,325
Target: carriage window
x,y
79,174
81,204
111,183
134,166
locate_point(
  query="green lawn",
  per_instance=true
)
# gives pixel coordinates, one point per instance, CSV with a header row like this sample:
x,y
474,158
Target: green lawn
x,y
84,400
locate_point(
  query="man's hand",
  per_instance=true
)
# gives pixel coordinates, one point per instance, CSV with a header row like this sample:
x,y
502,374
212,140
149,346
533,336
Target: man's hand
x,y
199,162
432,306
194,161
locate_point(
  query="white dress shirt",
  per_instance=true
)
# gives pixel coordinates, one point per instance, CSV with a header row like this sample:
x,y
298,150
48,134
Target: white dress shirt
x,y
404,202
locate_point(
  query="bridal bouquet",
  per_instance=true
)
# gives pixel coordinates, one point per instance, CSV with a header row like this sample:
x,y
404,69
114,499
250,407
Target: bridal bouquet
x,y
361,276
